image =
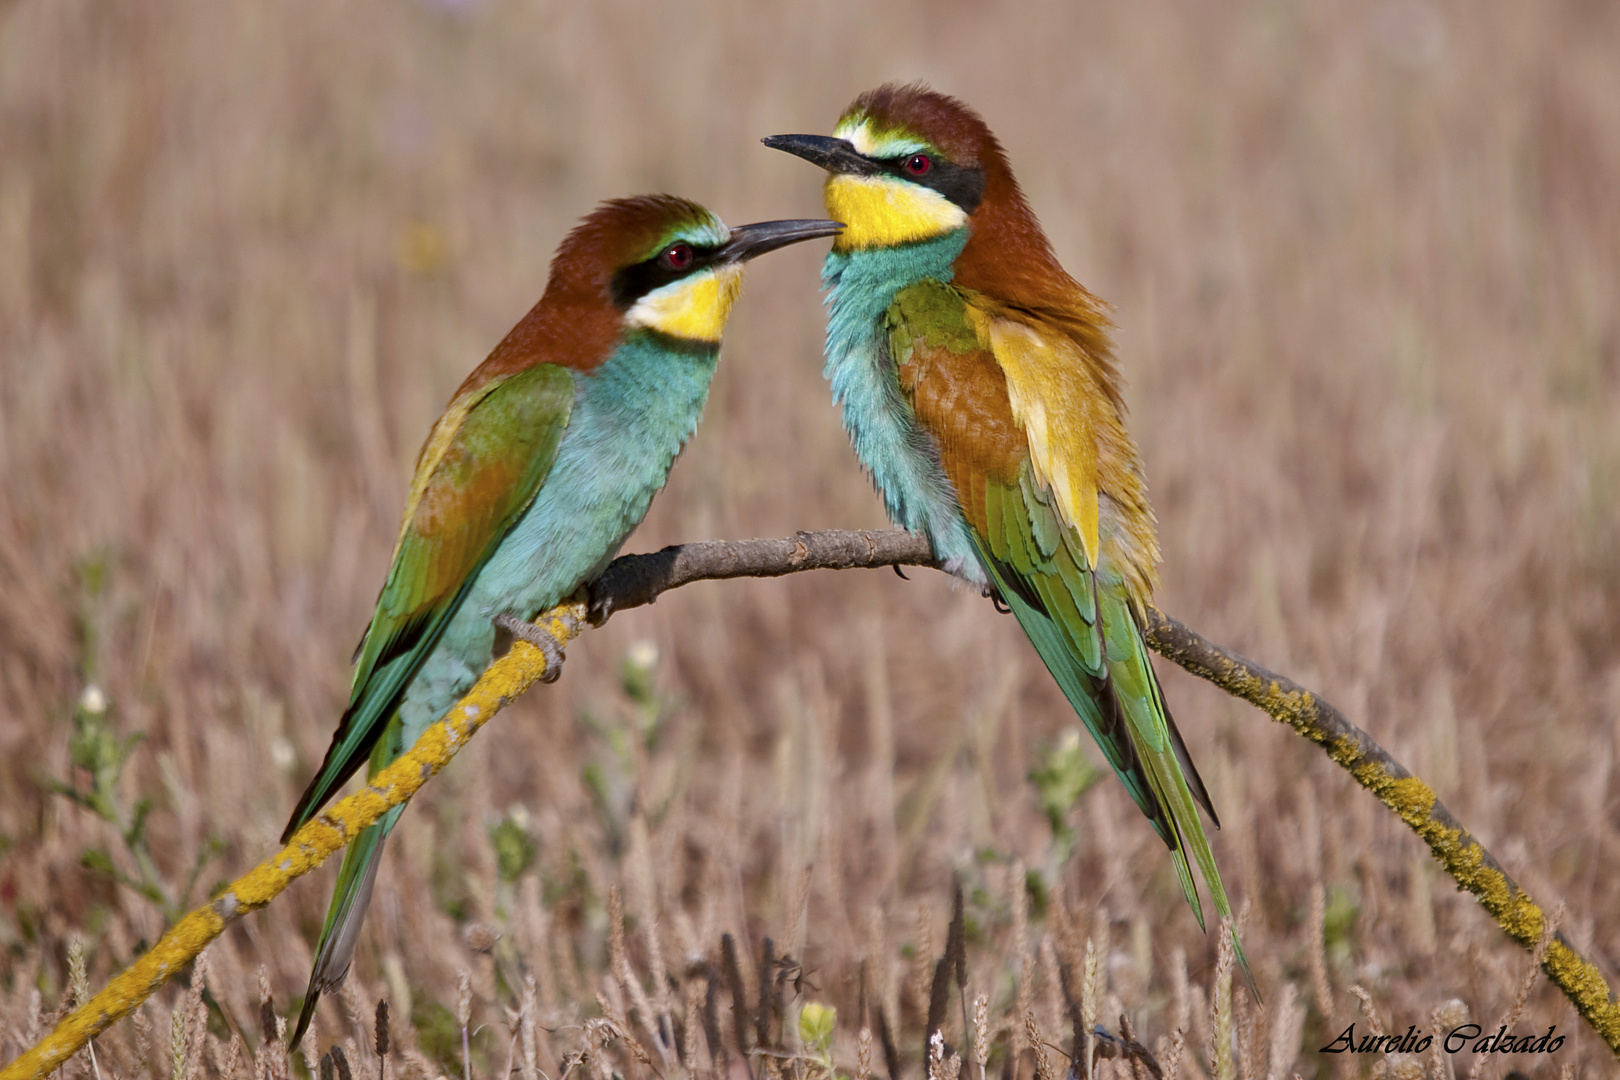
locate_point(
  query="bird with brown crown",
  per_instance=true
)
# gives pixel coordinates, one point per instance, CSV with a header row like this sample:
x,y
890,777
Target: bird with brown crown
x,y
543,462
978,385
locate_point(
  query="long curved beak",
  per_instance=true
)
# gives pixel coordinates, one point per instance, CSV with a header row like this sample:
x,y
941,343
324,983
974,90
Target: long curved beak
x,y
834,155
748,241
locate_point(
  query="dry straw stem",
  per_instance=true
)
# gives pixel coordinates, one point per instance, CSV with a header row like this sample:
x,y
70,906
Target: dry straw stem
x,y
634,580
310,846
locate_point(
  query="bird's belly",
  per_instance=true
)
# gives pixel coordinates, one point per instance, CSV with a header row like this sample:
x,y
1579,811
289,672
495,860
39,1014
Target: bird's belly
x,y
562,543
610,464
898,453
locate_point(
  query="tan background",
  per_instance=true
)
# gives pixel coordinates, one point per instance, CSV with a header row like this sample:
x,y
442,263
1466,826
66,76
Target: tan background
x,y
1364,262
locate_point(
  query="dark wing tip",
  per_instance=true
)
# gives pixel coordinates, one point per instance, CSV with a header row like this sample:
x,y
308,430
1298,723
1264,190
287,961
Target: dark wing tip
x,y
1195,783
311,999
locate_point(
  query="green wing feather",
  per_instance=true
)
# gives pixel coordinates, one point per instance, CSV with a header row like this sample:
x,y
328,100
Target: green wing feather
x,y
1084,630
475,478
1081,622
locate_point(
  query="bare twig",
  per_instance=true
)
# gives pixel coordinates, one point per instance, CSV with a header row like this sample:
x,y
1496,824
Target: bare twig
x,y
634,580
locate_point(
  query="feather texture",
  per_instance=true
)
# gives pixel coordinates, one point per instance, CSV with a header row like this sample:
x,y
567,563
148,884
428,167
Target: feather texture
x,y
481,468
1030,449
541,465
981,394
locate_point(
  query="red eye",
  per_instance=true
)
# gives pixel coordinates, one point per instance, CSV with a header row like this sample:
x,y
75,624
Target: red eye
x,y
917,164
676,257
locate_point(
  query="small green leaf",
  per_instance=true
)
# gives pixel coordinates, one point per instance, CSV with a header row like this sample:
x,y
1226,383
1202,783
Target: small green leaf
x,y
1063,776
816,1025
99,861
1339,920
514,849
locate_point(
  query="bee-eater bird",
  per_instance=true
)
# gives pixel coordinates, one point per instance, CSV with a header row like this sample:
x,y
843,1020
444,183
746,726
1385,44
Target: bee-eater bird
x,y
978,386
543,462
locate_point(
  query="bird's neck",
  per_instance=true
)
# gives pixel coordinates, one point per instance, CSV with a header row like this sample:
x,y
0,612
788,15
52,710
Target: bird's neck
x,y
653,385
861,285
877,273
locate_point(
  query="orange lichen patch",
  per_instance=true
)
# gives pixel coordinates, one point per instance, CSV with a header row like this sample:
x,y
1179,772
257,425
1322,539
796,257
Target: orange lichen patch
x,y
317,841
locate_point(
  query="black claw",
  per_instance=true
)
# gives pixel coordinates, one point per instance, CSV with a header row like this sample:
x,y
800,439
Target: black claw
x,y
998,603
899,573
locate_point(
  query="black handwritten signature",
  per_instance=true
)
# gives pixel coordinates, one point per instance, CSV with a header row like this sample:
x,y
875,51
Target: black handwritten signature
x,y
1414,1041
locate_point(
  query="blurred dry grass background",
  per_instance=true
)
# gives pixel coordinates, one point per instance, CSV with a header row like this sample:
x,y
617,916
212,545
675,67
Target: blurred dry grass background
x,y
1365,260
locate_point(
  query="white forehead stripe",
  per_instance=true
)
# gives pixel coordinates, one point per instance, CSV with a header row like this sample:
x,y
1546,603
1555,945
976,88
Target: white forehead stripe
x,y
860,136
711,233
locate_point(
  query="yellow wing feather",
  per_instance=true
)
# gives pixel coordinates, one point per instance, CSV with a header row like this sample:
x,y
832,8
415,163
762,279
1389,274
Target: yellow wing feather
x,y
1078,446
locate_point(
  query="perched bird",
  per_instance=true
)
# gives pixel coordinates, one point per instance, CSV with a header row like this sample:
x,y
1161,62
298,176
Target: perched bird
x,y
543,462
978,386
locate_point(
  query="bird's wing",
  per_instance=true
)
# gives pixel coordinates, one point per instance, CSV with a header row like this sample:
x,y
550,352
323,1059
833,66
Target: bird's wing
x,y
1032,449
480,469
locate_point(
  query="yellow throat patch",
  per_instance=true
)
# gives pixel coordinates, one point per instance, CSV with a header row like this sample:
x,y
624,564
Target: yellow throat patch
x,y
694,308
882,211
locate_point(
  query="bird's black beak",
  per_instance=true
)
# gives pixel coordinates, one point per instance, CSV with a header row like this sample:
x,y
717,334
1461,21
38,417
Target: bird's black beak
x,y
834,155
747,241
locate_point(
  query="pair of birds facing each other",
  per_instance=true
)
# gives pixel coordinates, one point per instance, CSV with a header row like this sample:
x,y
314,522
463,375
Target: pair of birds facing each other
x,y
977,383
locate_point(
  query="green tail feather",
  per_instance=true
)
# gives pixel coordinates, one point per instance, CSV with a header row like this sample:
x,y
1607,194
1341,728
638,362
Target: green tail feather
x,y
343,919
1121,705
352,893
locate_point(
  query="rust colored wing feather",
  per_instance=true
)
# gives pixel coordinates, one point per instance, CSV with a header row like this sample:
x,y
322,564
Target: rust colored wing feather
x,y
1038,458
480,469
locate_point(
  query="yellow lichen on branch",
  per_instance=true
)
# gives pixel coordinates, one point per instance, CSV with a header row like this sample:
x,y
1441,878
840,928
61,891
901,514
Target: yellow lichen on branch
x,y
1412,800
633,580
1512,908
317,841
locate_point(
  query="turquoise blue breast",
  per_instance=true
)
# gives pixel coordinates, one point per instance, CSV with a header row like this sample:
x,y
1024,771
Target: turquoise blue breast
x,y
631,417
900,455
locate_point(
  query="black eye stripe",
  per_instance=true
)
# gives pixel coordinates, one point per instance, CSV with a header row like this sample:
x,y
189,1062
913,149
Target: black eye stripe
x,y
633,282
961,184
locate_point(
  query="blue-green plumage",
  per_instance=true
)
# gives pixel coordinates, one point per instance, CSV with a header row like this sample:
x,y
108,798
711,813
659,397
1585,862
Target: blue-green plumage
x,y
978,386
542,464
1052,591
630,418
895,449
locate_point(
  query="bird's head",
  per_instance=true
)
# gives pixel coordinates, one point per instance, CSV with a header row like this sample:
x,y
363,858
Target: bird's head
x,y
906,164
654,263
664,264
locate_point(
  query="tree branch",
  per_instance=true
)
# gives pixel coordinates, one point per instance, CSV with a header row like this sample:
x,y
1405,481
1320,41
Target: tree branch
x,y
634,580
502,682
1413,801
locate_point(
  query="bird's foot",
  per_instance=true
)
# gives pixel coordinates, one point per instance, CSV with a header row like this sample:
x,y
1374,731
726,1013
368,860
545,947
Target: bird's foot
x,y
542,639
597,608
